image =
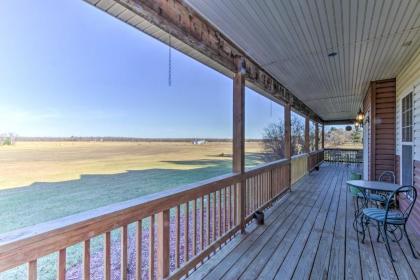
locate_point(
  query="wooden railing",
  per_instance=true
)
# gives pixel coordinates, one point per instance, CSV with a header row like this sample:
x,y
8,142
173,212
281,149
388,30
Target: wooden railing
x,y
343,155
264,184
299,167
174,229
315,159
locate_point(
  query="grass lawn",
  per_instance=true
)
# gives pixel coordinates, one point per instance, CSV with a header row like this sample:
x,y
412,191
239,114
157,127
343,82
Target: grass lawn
x,y
41,181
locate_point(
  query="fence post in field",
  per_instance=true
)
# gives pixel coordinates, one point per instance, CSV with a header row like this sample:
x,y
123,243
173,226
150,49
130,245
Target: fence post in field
x,y
163,244
239,138
288,140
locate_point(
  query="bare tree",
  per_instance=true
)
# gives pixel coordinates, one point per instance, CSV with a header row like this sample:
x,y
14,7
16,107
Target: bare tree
x,y
273,138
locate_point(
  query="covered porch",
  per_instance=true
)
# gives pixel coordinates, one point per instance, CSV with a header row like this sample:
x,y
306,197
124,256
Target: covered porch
x,y
309,234
323,68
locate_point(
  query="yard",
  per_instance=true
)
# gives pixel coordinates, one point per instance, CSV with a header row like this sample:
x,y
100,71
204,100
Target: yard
x,y
40,181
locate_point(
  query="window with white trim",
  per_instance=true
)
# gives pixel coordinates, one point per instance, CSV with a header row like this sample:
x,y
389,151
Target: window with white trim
x,y
407,118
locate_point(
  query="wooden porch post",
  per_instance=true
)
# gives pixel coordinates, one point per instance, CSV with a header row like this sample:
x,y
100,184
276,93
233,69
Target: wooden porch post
x,y
307,139
323,137
239,138
316,136
288,139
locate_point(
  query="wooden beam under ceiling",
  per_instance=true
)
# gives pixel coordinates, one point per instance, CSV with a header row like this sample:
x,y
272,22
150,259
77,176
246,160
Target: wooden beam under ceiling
x,y
177,18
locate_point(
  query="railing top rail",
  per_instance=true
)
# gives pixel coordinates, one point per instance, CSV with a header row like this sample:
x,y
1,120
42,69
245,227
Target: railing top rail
x,y
316,152
263,167
343,149
299,156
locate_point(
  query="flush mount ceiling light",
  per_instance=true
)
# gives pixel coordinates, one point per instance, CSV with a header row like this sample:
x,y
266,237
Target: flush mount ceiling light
x,y
332,54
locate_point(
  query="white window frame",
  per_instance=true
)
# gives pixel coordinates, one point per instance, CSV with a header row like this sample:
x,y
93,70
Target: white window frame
x,y
403,143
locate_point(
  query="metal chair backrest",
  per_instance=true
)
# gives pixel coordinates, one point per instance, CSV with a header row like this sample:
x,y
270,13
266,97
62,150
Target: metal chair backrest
x,y
407,196
387,174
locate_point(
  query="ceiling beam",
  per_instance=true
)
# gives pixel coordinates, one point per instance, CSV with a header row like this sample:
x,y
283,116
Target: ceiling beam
x,y
177,18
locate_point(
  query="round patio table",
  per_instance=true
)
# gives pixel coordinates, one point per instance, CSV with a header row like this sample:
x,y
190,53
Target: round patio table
x,y
373,185
366,186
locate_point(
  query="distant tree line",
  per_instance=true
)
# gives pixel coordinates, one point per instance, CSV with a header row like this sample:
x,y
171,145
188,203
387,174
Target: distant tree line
x,y
121,139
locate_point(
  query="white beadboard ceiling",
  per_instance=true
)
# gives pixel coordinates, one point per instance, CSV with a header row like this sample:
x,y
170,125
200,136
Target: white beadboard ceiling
x,y
291,39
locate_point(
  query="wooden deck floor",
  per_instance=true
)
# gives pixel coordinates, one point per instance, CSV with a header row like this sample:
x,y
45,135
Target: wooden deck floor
x,y
309,234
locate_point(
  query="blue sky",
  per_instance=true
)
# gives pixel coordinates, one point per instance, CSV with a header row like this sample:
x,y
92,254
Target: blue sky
x,y
68,69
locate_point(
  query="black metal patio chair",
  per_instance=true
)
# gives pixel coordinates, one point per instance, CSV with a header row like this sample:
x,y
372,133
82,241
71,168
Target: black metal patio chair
x,y
390,219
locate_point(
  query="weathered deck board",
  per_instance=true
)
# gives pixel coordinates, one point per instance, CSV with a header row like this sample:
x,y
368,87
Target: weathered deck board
x,y
260,262
309,235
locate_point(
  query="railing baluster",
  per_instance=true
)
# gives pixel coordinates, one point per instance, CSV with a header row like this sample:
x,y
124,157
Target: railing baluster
x,y
251,197
61,270
107,255
258,178
86,259
202,223
208,220
225,210
186,232
214,219
235,205
177,232
163,244
152,247
32,270
124,252
229,206
219,194
139,249
194,227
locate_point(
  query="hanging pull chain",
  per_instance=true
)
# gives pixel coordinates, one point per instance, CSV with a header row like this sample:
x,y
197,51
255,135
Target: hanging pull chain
x,y
271,109
170,62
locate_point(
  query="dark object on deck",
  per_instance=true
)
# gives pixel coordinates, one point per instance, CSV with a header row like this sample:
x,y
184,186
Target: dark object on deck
x,y
317,168
259,216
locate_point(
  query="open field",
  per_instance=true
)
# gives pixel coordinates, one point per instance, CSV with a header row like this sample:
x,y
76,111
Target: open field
x,y
29,162
40,181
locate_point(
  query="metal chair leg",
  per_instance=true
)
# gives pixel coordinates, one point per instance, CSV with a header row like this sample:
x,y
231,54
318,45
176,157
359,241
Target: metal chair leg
x,y
388,248
379,231
363,229
409,242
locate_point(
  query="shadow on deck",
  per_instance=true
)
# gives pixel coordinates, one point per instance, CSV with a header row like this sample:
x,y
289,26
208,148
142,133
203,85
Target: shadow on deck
x,y
309,234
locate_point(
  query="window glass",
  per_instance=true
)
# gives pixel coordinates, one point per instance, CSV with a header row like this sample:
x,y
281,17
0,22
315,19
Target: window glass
x,y
407,118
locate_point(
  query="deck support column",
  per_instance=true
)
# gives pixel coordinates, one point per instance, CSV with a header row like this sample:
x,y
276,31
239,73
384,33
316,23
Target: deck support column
x,y
306,148
238,165
323,137
288,140
316,136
